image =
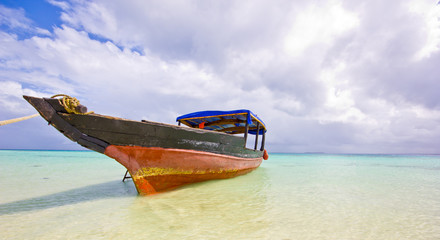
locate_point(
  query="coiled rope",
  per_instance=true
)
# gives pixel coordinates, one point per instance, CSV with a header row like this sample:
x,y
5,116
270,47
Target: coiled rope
x,y
71,104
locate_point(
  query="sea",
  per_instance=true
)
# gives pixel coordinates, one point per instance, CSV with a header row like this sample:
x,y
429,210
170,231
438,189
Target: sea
x,y
80,195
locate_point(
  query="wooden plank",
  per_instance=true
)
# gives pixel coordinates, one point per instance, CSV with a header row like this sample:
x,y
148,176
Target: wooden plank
x,y
47,111
55,103
224,122
96,132
149,134
221,146
246,130
237,130
263,141
256,135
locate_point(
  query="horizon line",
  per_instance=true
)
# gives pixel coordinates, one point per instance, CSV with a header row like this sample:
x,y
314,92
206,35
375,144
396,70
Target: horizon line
x,y
311,153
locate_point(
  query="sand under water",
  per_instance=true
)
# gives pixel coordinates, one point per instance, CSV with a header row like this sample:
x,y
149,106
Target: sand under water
x,y
80,195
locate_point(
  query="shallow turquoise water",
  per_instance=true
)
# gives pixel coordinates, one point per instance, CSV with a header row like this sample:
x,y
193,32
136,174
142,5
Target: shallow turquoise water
x,y
80,195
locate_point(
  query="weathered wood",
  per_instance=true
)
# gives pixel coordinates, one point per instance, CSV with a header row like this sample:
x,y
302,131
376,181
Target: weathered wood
x,y
236,130
56,104
47,111
81,109
263,141
150,134
92,143
96,132
224,122
256,136
246,130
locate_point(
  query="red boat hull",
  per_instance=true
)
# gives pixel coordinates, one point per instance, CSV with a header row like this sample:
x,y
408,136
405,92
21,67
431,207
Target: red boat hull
x,y
156,169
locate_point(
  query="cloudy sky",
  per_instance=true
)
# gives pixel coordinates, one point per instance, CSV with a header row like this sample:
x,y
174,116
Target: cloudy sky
x,y
336,76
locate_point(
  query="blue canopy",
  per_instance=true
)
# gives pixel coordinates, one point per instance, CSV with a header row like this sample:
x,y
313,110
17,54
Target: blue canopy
x,y
232,122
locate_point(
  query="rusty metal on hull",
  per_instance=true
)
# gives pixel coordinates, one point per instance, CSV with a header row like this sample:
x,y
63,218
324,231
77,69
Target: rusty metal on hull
x,y
156,169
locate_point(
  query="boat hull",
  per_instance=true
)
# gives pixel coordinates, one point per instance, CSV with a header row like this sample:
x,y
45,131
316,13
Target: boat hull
x,y
155,169
158,156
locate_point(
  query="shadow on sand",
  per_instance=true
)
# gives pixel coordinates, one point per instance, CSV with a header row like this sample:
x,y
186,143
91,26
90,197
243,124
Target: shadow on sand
x,y
113,189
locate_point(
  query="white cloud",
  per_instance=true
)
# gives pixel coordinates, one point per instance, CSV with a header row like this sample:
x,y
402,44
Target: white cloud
x,y
431,17
336,77
10,97
16,19
320,23
63,5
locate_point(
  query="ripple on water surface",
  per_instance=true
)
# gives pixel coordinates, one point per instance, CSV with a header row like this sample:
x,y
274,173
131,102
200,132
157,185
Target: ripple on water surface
x,y
80,195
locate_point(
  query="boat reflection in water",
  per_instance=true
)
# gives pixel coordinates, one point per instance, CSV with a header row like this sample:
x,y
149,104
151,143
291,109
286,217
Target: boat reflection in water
x,y
237,208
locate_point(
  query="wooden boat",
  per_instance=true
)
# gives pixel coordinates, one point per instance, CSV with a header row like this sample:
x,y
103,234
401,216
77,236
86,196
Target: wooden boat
x,y
158,156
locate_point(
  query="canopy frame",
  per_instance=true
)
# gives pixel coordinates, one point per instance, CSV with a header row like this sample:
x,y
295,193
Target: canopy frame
x,y
232,122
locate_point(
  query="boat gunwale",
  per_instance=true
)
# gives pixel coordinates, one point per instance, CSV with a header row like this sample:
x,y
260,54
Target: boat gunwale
x,y
186,128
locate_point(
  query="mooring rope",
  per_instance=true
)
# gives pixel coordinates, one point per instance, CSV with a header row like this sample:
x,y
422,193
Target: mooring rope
x,y
4,122
71,104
